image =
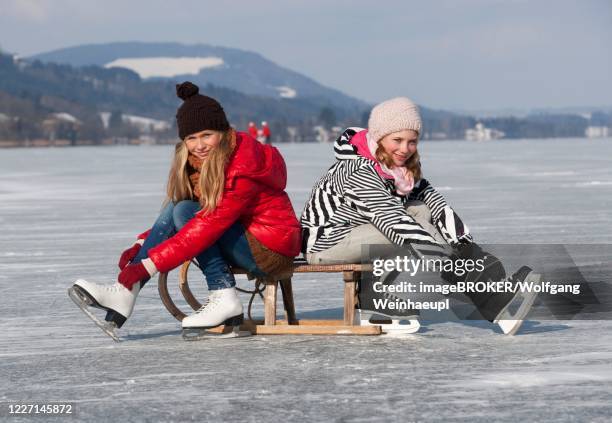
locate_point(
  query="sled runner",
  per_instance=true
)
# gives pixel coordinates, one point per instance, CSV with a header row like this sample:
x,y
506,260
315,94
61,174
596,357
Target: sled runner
x,y
268,288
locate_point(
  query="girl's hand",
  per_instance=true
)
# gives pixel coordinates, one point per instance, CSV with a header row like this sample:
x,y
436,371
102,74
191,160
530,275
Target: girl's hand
x,y
128,255
132,274
453,230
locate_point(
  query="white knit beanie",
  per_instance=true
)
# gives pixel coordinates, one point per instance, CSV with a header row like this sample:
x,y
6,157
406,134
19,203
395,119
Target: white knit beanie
x,y
393,115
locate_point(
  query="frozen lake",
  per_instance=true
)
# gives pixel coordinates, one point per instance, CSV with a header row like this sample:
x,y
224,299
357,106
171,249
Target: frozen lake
x,y
67,213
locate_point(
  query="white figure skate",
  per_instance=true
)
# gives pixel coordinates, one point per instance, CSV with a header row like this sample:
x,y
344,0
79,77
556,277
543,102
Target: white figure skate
x,y
511,317
398,326
117,300
223,307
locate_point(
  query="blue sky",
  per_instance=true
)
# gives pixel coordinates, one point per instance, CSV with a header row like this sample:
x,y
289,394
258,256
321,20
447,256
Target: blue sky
x,y
461,55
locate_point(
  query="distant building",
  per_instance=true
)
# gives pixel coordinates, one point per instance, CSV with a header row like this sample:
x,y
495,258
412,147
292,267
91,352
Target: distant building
x,y
19,62
437,135
597,132
292,134
480,133
147,125
61,126
144,124
322,134
66,117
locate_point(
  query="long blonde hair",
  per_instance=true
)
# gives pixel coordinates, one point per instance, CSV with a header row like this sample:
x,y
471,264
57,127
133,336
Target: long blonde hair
x,y
212,173
413,164
178,187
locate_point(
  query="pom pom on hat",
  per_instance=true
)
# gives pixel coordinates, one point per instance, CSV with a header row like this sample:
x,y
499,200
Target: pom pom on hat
x,y
186,90
394,115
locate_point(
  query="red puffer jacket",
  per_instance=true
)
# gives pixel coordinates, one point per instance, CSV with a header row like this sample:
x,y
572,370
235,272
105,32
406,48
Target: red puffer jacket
x,y
255,179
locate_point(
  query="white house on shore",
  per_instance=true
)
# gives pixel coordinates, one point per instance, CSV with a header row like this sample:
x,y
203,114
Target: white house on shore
x,y
144,124
597,132
480,133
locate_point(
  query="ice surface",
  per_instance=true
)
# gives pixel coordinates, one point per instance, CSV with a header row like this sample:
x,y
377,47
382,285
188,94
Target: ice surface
x,y
67,213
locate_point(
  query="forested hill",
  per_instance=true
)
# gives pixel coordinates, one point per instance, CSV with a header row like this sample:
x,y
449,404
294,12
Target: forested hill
x,y
32,90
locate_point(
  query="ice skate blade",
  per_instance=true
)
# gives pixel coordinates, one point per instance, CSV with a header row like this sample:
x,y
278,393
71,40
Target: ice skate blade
x,y
511,323
394,329
83,301
398,333
197,334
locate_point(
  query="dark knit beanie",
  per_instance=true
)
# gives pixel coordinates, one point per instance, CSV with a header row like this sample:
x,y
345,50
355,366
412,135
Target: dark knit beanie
x,y
198,112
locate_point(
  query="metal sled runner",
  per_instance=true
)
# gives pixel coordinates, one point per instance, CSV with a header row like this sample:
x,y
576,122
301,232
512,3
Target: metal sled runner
x,y
291,325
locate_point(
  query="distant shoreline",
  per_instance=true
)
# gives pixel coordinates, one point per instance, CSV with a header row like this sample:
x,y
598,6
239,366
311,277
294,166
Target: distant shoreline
x,y
6,144
42,143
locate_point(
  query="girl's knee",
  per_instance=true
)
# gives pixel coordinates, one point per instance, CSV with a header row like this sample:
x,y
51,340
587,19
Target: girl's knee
x,y
167,213
420,210
183,212
168,208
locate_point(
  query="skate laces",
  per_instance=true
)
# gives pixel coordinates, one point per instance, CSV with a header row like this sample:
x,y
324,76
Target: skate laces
x,y
110,288
211,302
117,287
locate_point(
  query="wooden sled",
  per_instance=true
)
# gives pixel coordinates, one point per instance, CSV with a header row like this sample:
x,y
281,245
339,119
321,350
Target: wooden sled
x,y
290,325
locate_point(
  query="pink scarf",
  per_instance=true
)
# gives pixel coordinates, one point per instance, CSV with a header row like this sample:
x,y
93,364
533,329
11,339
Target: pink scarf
x,y
366,147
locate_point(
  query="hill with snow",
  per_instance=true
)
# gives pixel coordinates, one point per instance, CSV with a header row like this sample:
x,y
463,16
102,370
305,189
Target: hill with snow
x,y
239,70
49,100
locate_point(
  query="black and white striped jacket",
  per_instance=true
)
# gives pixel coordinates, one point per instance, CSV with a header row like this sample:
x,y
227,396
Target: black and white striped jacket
x,y
352,193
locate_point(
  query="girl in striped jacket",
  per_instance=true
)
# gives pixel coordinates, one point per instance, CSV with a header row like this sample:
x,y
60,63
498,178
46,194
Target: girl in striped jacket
x,y
375,194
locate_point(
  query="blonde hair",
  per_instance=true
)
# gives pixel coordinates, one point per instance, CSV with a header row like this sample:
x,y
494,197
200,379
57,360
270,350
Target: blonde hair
x,y
178,187
413,164
212,173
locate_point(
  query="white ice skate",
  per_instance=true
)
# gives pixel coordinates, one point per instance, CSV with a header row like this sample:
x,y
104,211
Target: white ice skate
x,y
397,327
223,307
512,315
117,300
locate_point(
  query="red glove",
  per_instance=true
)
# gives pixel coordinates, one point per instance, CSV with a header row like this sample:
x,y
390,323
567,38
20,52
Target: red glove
x,y
132,274
128,255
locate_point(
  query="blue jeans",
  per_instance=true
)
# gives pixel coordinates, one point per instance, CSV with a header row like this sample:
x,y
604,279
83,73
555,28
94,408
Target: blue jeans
x,y
231,249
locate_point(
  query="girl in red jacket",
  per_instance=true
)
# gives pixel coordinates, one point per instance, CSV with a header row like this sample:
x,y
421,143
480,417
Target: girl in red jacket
x,y
226,206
